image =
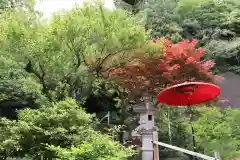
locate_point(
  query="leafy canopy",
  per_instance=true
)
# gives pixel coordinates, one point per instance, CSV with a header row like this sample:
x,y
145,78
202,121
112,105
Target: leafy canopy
x,y
175,63
64,125
218,130
215,23
97,147
65,54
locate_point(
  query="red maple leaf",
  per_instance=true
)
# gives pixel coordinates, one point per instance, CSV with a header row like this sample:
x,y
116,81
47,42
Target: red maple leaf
x,y
180,62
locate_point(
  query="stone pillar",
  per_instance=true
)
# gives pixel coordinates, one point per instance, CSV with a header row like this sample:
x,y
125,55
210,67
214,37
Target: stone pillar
x,y
146,111
147,145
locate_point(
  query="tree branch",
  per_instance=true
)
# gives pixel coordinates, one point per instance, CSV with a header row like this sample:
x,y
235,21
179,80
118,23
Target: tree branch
x,y
106,58
78,53
29,68
101,62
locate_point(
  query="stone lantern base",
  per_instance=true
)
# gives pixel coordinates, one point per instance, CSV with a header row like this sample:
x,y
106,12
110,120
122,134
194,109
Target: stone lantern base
x,y
147,145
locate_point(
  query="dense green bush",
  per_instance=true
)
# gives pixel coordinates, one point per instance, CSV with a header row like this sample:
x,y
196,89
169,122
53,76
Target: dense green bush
x,y
95,146
64,125
219,130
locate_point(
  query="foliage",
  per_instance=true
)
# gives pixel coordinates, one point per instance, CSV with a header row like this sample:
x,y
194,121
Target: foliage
x,y
218,130
227,58
174,120
216,28
74,44
64,125
213,22
94,147
71,54
176,63
17,88
159,17
6,4
216,13
64,57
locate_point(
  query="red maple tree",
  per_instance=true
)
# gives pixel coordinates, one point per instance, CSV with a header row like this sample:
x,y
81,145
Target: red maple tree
x,y
178,63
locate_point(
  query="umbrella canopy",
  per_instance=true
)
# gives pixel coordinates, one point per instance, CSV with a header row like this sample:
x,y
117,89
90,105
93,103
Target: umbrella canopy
x,y
188,93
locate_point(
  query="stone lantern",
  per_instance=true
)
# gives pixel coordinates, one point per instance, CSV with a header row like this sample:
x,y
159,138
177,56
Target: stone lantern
x,y
146,111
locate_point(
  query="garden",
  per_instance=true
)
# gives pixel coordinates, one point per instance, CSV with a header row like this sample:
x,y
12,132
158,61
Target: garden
x,y
58,78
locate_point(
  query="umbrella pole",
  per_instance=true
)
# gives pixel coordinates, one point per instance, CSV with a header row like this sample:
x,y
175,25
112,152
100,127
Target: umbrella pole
x,y
193,132
192,129
193,139
169,127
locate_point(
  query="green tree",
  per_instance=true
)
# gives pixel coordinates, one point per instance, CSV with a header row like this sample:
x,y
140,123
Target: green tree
x,y
214,23
63,124
5,4
173,124
103,148
218,130
14,4
17,88
66,55
74,44
161,19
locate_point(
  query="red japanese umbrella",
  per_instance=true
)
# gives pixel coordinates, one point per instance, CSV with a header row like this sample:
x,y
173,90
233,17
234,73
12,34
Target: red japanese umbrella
x,y
187,94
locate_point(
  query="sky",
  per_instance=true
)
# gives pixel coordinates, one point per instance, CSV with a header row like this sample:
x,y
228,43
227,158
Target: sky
x,y
48,7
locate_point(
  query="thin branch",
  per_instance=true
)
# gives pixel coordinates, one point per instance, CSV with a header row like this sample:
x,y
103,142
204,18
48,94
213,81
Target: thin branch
x,y
42,70
29,68
78,53
99,65
78,58
45,86
106,58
